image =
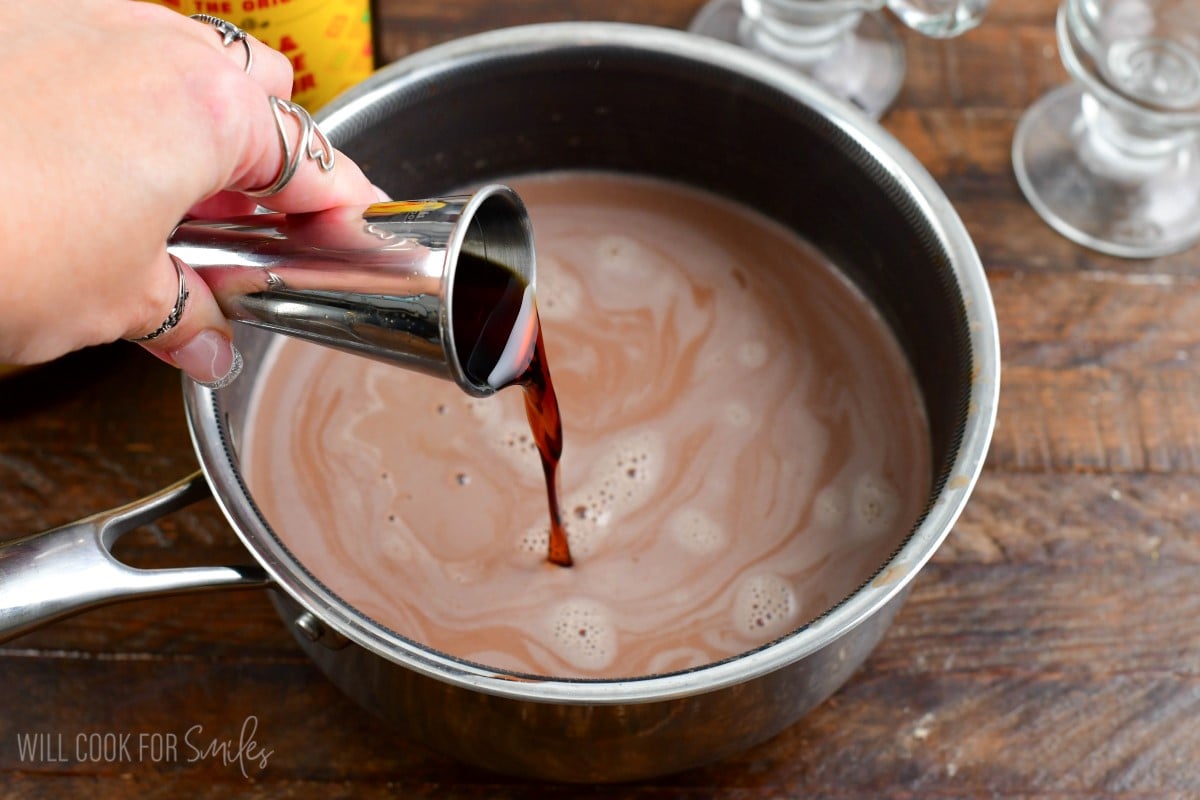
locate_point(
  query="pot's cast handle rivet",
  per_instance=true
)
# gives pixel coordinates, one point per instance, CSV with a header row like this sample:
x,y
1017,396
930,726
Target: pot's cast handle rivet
x,y
314,630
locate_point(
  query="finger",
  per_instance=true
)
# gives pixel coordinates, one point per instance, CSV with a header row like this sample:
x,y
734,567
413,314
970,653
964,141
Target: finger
x,y
234,204
200,340
287,139
223,205
269,68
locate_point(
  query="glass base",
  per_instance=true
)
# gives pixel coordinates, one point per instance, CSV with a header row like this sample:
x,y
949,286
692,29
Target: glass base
x,y
1129,207
866,67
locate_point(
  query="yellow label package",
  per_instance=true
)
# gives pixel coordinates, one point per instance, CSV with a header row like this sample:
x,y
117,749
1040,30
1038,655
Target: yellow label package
x,y
327,41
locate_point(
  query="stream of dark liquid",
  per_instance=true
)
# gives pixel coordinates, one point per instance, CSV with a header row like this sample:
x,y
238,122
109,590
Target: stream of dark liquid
x,y
499,339
541,407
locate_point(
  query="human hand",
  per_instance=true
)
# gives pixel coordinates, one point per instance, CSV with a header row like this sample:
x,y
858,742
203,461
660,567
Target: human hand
x,y
123,118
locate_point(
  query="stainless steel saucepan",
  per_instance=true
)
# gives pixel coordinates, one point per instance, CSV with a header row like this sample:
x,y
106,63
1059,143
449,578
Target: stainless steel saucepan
x,y
619,98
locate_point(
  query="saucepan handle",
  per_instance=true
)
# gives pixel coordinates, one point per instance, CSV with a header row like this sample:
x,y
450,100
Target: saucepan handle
x,y
56,573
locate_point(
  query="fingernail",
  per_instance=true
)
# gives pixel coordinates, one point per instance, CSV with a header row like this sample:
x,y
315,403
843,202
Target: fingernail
x,y
384,197
209,359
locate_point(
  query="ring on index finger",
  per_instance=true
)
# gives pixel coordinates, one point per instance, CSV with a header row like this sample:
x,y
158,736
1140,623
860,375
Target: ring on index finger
x,y
176,312
230,33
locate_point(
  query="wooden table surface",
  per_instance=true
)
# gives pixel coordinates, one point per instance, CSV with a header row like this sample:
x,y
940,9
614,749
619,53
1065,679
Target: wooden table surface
x,y
1051,649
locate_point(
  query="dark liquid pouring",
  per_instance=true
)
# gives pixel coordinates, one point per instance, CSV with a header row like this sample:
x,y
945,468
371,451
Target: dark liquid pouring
x,y
496,326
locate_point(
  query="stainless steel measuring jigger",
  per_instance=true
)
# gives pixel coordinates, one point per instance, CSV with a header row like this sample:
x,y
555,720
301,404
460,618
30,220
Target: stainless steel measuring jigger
x,y
379,280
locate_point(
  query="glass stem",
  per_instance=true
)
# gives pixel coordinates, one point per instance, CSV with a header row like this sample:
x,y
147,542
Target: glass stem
x,y
1119,144
802,34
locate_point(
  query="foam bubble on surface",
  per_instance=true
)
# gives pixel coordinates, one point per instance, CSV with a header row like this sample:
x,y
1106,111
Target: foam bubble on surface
x,y
752,354
631,469
586,517
582,633
875,504
484,409
696,532
536,540
559,294
829,507
619,255
622,479
764,605
512,441
464,572
395,545
737,414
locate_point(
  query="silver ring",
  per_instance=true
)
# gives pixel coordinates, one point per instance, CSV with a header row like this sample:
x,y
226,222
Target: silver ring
x,y
230,33
177,312
312,143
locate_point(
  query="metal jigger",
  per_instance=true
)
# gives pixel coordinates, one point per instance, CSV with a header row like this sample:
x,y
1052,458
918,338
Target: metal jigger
x,y
374,280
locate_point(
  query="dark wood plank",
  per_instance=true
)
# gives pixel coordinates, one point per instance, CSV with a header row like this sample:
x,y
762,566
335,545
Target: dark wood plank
x,y
412,26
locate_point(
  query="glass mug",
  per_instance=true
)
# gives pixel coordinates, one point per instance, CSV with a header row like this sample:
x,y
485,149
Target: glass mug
x,y
847,45
1112,161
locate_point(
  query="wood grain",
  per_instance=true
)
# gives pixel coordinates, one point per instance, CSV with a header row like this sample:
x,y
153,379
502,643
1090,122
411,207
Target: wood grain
x,y
1050,650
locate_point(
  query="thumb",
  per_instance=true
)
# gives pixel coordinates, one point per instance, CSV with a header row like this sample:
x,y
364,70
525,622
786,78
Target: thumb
x,y
189,331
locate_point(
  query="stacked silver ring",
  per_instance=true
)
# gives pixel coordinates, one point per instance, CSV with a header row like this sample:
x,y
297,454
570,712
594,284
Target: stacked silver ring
x,y
177,312
312,143
230,33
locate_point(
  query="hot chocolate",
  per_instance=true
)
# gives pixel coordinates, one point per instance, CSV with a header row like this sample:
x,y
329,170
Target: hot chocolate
x,y
744,447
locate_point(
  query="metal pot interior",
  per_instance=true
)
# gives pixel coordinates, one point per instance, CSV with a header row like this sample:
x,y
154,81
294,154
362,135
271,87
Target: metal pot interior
x,y
661,103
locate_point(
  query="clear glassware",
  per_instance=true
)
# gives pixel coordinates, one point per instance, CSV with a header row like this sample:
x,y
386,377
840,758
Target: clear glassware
x,y
847,45
1112,161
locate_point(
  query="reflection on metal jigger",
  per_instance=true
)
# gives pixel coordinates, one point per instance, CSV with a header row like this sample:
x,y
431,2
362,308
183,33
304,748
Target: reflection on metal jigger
x,y
380,281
